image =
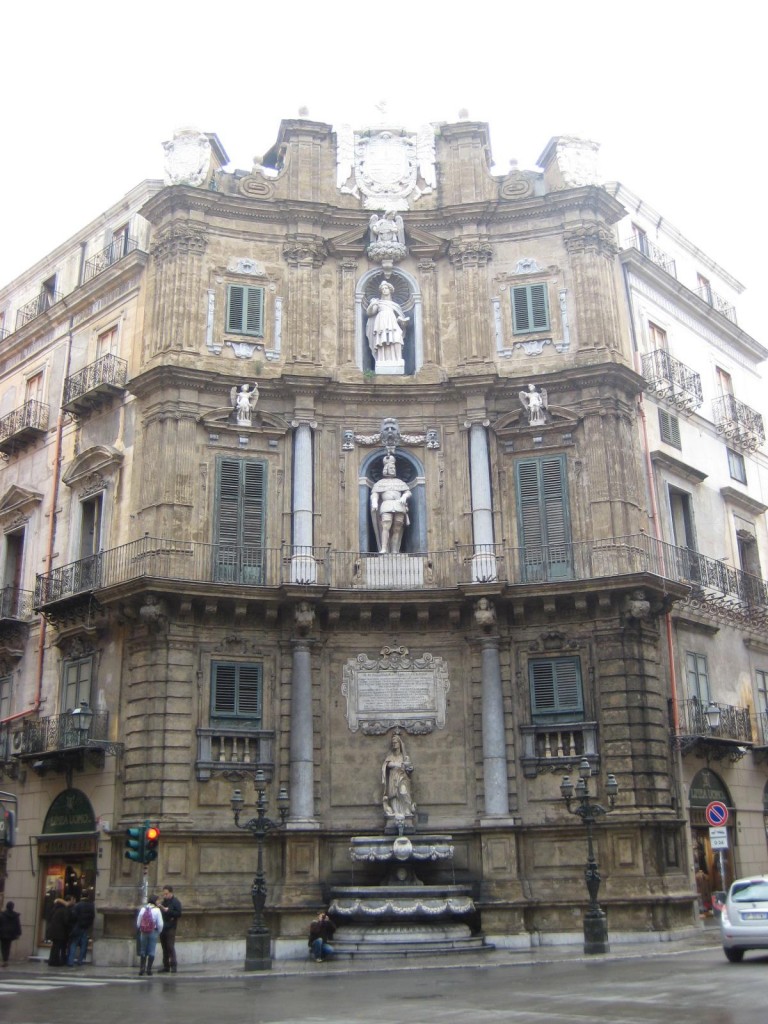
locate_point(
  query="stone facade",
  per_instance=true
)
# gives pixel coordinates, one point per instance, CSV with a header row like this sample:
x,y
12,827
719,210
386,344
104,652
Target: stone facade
x,y
211,585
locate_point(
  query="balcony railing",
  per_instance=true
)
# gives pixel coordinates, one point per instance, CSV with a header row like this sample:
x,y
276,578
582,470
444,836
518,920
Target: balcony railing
x,y
735,723
61,732
29,420
672,380
653,252
111,254
246,566
106,374
550,748
36,306
233,751
741,425
3,333
717,302
16,603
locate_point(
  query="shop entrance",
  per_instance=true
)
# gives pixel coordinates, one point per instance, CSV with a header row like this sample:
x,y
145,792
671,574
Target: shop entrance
x,y
714,868
67,850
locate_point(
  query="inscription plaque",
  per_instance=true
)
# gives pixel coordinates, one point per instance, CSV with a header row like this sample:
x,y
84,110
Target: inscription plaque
x,y
395,690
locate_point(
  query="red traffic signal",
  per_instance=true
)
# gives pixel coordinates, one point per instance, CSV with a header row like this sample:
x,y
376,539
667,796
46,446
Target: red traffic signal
x,y
151,843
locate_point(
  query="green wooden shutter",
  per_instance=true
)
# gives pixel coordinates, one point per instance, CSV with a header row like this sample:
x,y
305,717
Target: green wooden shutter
x,y
530,308
669,428
245,310
236,690
556,690
542,509
239,521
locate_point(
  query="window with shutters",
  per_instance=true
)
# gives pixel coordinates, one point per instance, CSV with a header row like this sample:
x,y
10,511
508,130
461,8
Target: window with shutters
x,y
669,429
543,522
697,675
245,310
556,691
737,468
530,308
239,521
76,678
236,690
5,699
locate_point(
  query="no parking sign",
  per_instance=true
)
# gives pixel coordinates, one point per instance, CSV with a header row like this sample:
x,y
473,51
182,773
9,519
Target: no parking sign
x,y
716,813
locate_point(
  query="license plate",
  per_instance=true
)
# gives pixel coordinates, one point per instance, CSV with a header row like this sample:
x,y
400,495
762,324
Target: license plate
x,y
754,915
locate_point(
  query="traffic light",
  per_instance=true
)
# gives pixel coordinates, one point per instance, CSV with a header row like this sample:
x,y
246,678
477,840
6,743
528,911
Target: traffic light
x,y
151,843
134,845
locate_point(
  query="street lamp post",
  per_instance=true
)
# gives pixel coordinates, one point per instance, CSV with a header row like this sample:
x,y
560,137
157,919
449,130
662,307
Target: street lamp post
x,y
595,921
258,954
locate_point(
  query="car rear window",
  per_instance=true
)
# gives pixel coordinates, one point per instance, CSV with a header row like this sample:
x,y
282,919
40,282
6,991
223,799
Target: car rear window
x,y
750,892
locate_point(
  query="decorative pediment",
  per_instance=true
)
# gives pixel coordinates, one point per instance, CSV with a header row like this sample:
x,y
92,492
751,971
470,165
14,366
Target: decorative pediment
x,y
17,503
558,418
225,419
99,461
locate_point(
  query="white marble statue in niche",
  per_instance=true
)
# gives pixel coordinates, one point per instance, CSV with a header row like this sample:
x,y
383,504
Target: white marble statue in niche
x,y
396,772
384,331
389,508
534,402
244,401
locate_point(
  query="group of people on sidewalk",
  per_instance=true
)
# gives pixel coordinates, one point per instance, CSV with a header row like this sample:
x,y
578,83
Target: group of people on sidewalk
x,y
157,920
68,929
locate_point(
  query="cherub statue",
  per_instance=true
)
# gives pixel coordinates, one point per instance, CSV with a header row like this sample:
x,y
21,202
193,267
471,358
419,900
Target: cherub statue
x,y
387,228
244,401
535,404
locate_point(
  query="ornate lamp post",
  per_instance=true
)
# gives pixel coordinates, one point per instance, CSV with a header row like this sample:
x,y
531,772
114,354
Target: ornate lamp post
x,y
595,922
258,955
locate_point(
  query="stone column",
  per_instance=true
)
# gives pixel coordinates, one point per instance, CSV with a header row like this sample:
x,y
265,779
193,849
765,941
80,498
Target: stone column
x,y
303,568
484,557
494,741
302,795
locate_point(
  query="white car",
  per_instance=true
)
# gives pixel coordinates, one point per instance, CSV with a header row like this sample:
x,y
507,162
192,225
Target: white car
x,y
744,918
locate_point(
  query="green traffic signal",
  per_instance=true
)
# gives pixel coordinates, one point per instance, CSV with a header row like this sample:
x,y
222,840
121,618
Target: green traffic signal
x,y
134,844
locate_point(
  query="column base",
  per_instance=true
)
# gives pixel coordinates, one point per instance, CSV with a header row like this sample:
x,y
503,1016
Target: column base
x,y
596,933
258,951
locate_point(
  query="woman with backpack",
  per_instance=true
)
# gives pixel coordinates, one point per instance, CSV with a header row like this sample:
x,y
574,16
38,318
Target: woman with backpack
x,y
149,924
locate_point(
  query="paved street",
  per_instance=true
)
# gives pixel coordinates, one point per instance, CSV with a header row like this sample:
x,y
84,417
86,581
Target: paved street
x,y
649,986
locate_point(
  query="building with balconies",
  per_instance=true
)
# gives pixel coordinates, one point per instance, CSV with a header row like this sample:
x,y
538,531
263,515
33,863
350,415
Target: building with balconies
x,y
242,363
704,437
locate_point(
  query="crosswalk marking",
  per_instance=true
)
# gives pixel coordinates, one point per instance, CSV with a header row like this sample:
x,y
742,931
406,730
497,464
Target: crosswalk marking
x,y
17,985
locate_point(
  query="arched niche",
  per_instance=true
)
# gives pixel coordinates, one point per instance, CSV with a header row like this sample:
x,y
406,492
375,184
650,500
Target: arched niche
x,y
407,295
409,469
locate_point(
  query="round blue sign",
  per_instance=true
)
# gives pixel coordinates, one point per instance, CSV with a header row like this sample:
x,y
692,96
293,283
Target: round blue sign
x,y
716,813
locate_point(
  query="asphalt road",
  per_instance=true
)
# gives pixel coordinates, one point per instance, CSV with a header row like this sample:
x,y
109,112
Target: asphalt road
x,y
695,985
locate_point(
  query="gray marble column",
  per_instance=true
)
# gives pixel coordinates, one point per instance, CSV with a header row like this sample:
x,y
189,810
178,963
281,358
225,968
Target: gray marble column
x,y
484,557
302,760
303,568
494,743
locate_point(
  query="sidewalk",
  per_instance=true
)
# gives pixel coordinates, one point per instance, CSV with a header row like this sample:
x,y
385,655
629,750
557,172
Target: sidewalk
x,y
707,938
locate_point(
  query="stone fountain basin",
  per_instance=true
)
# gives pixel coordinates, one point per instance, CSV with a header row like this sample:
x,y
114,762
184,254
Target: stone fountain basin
x,y
371,902
401,848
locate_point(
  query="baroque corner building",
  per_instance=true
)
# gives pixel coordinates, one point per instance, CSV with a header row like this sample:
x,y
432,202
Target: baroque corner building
x,y
345,448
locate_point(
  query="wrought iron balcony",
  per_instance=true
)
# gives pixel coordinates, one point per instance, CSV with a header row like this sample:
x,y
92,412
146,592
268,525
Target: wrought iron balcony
x,y
742,426
672,380
652,252
16,604
94,384
557,748
234,752
730,739
717,302
36,306
61,732
111,254
22,426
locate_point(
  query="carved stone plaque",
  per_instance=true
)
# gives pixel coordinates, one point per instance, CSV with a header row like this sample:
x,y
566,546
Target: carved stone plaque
x,y
395,690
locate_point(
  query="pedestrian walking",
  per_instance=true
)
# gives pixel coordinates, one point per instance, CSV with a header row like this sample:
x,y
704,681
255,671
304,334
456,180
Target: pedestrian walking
x,y
170,908
320,934
10,929
82,917
149,923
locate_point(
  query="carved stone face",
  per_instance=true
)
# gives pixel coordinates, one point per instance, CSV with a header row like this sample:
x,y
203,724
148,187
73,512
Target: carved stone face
x,y
390,431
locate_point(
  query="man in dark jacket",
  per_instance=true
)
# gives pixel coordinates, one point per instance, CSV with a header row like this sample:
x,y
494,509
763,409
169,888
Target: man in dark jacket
x,y
320,934
170,908
10,929
82,918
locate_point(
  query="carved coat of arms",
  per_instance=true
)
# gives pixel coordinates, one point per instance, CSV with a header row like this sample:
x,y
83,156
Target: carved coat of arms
x,y
387,167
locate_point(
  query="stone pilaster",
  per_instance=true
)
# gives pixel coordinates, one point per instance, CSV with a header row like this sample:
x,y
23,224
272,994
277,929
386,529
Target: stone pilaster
x,y
305,255
591,249
495,772
470,257
178,313
302,810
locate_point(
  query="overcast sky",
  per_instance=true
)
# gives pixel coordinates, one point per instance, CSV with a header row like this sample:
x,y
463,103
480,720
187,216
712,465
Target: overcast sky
x,y
673,91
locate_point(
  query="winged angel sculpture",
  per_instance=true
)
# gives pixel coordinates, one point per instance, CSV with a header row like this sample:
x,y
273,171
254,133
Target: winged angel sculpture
x,y
534,402
244,401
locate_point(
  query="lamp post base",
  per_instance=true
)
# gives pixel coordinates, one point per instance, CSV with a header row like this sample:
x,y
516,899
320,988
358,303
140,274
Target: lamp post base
x,y
596,932
258,951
